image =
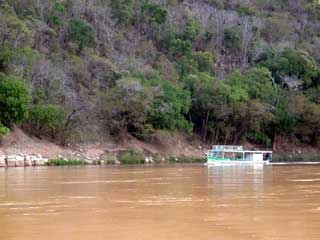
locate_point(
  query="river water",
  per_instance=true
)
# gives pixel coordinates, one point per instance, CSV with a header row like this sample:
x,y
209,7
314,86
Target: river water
x,y
172,202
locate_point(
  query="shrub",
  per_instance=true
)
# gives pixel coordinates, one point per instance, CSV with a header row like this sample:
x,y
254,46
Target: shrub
x,y
64,162
14,31
261,138
155,13
205,61
122,10
180,47
3,131
169,105
14,101
123,108
57,10
191,30
184,159
81,33
231,39
244,10
131,157
47,119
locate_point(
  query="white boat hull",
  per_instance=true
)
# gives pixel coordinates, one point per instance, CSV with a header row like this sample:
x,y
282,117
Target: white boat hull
x,y
234,163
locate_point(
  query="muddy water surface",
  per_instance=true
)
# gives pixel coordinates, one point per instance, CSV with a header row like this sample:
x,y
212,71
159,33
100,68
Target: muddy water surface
x,y
174,202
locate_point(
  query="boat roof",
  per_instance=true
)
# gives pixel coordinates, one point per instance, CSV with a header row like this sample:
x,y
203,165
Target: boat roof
x,y
237,149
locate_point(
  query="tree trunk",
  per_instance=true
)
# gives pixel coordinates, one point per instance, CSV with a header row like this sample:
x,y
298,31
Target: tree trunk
x,y
206,127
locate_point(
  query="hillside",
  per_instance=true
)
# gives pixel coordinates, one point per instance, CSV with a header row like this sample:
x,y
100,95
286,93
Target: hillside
x,y
80,71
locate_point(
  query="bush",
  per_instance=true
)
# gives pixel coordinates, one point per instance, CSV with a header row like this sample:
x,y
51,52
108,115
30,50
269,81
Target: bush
x,y
191,30
205,61
63,162
231,39
261,138
295,158
155,13
169,105
243,10
122,10
14,101
183,159
14,31
81,33
124,108
47,119
180,47
3,131
131,157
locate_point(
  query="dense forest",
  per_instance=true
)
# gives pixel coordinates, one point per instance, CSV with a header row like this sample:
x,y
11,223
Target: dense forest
x,y
228,71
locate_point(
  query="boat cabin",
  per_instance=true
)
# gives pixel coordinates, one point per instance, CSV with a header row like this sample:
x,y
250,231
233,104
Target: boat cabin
x,y
237,154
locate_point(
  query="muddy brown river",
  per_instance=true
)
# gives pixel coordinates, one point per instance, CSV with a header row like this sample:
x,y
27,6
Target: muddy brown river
x,y
172,202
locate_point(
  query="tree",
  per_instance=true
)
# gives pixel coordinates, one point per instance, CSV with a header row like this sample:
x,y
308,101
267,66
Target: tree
x,y
47,119
13,31
58,10
191,30
205,61
81,33
123,10
14,101
231,39
124,108
292,63
169,105
154,13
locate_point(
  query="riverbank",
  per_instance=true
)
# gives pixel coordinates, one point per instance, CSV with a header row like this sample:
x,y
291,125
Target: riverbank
x,y
21,150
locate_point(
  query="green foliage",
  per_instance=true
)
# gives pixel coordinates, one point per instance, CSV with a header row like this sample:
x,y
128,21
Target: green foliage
x,y
245,10
155,13
131,157
14,101
197,62
261,138
205,61
231,39
123,10
169,105
14,32
58,10
180,47
259,84
59,7
183,159
180,44
191,30
81,33
3,131
293,63
186,65
277,28
17,62
63,162
124,107
314,9
307,117
216,3
47,119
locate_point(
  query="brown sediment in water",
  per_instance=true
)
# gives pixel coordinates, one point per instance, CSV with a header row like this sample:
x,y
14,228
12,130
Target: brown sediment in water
x,y
172,202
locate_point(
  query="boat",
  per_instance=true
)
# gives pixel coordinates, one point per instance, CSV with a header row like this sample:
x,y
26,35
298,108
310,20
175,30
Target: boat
x,y
236,155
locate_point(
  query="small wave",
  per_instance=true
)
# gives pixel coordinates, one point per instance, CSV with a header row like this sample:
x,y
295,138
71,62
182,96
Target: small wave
x,y
95,182
295,163
82,197
306,180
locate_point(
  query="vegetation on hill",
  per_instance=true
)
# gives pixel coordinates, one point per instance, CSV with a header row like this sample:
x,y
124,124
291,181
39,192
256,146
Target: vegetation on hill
x,y
230,71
